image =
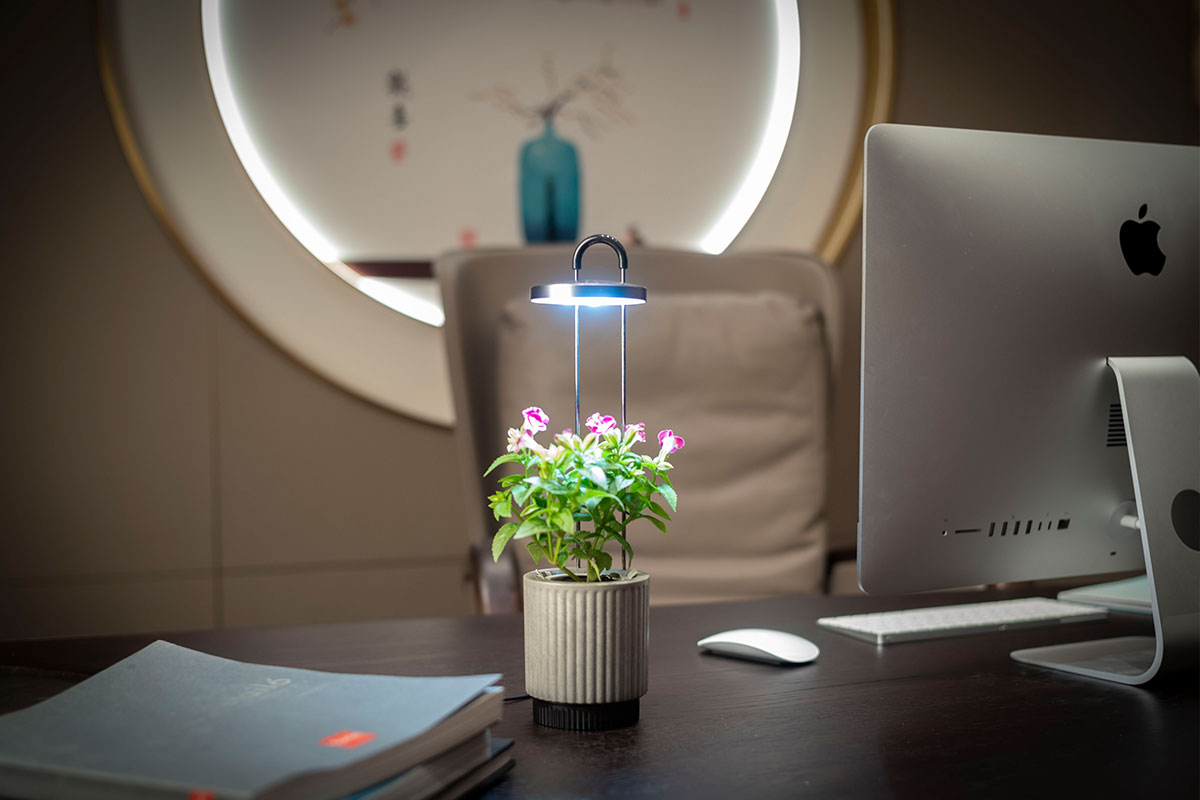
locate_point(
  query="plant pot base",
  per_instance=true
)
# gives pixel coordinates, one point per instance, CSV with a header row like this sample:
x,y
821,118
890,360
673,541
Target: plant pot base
x,y
586,716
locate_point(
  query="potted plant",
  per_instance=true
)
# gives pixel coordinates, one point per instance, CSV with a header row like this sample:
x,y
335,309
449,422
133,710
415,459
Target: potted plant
x,y
586,622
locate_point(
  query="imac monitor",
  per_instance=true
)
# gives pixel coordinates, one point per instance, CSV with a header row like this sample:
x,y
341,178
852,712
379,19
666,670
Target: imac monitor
x,y
1001,274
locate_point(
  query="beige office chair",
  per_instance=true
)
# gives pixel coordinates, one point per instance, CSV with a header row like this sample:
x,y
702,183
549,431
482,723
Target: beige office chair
x,y
736,353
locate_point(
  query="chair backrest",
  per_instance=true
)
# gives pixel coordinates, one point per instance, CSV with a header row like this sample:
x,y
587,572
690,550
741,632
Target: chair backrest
x,y
735,352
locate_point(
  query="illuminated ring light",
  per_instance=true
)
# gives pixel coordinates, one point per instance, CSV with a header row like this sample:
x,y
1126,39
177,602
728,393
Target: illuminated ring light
x,y
174,125
728,223
775,133
593,294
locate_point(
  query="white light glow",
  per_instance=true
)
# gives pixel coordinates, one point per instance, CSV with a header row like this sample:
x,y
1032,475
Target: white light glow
x,y
587,294
775,133
403,300
395,297
589,302
728,224
218,74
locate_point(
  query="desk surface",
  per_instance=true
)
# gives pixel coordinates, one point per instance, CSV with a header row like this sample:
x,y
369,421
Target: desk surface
x,y
945,718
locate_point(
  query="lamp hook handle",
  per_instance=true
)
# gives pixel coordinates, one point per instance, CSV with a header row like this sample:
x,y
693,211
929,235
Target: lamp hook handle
x,y
601,238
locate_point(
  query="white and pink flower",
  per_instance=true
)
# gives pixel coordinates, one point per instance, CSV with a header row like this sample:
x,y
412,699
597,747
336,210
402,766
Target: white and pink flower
x,y
601,424
669,442
639,431
536,420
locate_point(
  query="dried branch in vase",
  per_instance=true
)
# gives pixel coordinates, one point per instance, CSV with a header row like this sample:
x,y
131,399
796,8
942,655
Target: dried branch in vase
x,y
593,97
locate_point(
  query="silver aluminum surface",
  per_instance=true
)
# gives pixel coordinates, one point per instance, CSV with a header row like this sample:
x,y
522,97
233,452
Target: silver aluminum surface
x,y
994,288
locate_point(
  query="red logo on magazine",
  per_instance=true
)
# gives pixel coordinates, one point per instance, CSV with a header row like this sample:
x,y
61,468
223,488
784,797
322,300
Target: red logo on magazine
x,y
347,740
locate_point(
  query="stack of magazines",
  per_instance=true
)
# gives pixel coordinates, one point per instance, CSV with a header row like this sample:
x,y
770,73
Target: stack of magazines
x,y
169,722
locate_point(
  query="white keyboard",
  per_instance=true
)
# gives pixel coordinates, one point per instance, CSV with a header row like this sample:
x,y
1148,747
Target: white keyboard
x,y
914,625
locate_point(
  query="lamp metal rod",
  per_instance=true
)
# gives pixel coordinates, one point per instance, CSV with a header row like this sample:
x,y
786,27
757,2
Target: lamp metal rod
x,y
576,266
624,562
577,432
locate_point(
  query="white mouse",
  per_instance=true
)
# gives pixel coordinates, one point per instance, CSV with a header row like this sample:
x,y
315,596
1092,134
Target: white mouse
x,y
761,644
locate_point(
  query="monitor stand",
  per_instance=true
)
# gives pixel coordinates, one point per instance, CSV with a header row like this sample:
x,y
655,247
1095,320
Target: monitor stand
x,y
1160,401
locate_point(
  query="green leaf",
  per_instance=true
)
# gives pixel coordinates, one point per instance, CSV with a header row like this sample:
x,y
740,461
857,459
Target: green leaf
x,y
658,523
668,493
603,560
521,492
563,520
640,485
530,527
502,508
621,540
597,476
594,496
502,460
556,488
501,539
538,552
657,509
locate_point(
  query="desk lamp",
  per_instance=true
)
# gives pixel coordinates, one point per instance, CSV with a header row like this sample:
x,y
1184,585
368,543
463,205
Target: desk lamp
x,y
593,294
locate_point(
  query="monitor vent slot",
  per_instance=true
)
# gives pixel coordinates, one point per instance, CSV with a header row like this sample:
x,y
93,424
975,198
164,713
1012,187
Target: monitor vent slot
x,y
1021,527
1116,427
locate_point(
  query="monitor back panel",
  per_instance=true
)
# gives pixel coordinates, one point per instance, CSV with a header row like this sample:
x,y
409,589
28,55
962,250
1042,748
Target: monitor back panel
x,y
994,287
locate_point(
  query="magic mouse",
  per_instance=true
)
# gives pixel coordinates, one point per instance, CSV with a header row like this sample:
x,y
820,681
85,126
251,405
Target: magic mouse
x,y
761,644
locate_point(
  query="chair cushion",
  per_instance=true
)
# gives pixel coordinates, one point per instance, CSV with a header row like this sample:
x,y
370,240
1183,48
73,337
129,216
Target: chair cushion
x,y
743,378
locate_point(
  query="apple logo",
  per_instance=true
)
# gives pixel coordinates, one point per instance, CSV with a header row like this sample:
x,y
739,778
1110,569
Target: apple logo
x,y
1139,245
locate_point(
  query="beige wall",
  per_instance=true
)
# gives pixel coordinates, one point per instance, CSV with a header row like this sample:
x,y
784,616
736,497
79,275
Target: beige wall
x,y
166,468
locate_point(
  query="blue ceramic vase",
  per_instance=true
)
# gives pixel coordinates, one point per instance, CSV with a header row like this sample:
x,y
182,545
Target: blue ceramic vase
x,y
549,188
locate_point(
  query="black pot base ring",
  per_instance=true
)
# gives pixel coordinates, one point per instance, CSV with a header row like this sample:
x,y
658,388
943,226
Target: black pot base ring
x,y
586,716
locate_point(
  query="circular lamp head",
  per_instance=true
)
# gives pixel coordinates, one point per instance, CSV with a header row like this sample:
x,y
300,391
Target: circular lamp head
x,y
588,293
591,293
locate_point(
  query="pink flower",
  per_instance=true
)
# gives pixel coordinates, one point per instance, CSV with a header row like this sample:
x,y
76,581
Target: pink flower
x,y
639,431
669,441
598,424
514,439
536,420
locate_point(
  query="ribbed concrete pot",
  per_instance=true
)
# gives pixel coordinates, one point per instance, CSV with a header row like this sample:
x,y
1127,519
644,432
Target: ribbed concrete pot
x,y
586,651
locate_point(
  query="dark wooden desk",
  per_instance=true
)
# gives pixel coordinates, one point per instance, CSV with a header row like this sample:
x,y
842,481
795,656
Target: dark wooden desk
x,y
949,718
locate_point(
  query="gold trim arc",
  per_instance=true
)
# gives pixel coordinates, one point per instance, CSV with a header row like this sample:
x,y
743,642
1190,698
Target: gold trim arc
x,y
141,175
877,98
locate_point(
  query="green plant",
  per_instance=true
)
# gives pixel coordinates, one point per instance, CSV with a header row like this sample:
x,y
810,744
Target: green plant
x,y
571,499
